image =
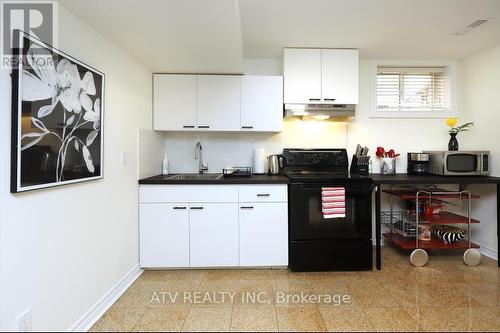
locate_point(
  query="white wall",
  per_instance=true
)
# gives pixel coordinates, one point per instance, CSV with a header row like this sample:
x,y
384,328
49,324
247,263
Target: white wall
x,y
481,85
403,135
481,76
263,66
62,249
150,151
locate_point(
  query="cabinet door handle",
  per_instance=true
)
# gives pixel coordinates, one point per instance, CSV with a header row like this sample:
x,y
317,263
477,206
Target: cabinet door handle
x,y
188,126
246,207
314,99
196,208
204,126
179,208
329,99
247,127
263,195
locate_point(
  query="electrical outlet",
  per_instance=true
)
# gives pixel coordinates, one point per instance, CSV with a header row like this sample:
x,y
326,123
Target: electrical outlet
x,y
24,321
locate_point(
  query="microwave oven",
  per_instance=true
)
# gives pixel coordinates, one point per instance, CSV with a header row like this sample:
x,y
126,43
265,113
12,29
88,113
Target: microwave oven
x,y
459,163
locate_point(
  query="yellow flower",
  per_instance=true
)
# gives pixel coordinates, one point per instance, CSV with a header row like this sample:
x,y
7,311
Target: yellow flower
x,y
452,122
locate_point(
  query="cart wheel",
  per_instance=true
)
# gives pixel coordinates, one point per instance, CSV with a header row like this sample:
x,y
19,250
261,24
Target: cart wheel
x,y
472,257
419,258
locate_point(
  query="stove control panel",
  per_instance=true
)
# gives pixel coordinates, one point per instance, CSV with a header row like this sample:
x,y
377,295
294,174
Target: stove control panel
x,y
316,158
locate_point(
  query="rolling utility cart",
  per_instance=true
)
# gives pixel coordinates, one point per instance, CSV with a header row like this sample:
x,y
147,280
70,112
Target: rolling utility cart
x,y
426,225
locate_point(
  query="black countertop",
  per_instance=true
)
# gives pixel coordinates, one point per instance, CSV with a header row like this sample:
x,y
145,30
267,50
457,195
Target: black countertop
x,y
378,179
253,179
403,178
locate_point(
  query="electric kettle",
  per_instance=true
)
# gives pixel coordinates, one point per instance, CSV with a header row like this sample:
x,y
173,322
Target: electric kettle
x,y
274,164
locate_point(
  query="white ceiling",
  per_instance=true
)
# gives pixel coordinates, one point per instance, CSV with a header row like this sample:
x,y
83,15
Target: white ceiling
x,y
215,35
183,36
381,29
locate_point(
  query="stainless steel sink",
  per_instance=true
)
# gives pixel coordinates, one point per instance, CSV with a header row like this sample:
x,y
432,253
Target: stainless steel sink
x,y
196,176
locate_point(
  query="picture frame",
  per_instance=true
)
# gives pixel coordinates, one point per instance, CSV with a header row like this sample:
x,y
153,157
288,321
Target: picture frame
x,y
57,135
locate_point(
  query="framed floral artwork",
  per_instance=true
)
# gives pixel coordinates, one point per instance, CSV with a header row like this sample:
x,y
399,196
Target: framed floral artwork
x,y
57,118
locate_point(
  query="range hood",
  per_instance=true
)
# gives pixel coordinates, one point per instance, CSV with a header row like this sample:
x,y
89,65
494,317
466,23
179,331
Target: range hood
x,y
319,111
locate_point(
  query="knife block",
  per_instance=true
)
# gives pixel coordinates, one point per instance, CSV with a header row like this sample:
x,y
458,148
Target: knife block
x,y
360,167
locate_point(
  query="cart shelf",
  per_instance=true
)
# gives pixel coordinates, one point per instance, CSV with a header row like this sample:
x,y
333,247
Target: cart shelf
x,y
444,218
407,194
408,243
404,223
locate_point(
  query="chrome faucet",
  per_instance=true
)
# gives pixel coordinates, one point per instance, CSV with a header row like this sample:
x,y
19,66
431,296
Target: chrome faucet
x,y
198,155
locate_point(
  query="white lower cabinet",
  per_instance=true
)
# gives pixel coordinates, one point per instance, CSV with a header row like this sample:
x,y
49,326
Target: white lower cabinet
x,y
164,235
263,234
213,234
238,225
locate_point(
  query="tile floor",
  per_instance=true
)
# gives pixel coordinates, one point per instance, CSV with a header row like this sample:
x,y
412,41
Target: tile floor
x,y
445,295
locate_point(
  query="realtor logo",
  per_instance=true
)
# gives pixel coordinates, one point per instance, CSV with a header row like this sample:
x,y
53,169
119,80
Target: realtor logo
x,y
36,18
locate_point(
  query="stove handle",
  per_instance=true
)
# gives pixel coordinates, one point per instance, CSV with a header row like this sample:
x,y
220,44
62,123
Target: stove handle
x,y
350,190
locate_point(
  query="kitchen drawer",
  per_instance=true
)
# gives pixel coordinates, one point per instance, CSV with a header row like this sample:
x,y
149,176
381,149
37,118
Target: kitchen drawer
x,y
188,193
263,193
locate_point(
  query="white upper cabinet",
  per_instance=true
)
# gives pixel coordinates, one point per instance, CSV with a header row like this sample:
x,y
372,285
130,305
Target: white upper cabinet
x,y
218,102
302,75
224,103
321,76
262,103
174,102
340,76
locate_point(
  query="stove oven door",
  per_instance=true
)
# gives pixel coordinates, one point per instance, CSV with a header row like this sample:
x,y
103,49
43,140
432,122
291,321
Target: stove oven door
x,y
306,217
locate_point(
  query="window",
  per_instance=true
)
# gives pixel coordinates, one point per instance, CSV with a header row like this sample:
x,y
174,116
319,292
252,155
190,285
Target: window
x,y
412,91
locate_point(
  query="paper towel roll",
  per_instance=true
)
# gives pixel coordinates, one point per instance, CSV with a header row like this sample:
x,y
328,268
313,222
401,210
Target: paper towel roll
x,y
259,160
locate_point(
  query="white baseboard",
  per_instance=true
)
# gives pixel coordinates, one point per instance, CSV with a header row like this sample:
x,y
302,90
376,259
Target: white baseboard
x,y
489,252
86,322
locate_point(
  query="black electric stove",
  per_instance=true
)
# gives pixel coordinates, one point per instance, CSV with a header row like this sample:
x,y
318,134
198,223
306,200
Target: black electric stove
x,y
317,243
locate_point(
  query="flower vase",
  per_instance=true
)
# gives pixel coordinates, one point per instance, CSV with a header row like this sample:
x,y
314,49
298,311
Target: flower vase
x,y
453,143
388,166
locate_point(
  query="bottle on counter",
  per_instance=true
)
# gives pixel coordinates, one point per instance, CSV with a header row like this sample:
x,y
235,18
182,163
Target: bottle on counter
x,y
164,165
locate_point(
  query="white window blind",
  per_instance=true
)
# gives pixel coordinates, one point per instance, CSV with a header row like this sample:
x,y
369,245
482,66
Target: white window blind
x,y
412,89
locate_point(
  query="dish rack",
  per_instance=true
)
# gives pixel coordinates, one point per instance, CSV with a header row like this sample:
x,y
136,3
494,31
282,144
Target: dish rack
x,y
421,229
237,172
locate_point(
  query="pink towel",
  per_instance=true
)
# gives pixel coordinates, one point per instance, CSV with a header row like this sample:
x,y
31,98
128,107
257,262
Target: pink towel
x,y
333,202
334,199
333,210
333,189
333,216
339,204
332,193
